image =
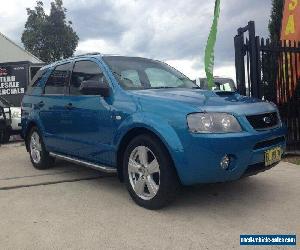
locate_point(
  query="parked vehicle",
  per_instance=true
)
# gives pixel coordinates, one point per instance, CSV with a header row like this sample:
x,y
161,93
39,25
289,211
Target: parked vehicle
x,y
6,122
14,79
220,84
149,123
2,124
15,116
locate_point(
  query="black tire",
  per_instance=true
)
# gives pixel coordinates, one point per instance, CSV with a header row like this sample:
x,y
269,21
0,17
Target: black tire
x,y
46,161
168,180
5,136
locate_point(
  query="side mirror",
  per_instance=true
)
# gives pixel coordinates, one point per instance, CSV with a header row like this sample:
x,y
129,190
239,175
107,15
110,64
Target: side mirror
x,y
94,87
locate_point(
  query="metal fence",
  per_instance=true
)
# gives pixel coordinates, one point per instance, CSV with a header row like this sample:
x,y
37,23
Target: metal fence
x,y
271,71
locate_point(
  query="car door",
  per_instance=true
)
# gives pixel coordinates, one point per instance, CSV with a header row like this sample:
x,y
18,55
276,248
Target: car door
x,y
91,126
52,106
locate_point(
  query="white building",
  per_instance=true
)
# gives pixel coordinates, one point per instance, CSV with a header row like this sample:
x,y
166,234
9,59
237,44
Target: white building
x,y
11,52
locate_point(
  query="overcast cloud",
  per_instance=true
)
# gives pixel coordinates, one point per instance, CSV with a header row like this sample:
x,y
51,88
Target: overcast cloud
x,y
169,30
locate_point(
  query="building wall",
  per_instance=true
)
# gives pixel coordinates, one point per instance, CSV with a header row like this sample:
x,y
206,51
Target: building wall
x,y
11,52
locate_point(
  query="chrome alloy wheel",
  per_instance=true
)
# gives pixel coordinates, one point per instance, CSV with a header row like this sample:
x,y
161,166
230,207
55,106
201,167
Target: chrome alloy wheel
x,y
35,148
144,172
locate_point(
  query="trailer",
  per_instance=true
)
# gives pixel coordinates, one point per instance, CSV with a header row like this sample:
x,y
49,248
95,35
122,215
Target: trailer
x,y
14,79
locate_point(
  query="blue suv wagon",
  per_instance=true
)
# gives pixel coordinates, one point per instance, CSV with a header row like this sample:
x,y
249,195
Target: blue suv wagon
x,y
149,123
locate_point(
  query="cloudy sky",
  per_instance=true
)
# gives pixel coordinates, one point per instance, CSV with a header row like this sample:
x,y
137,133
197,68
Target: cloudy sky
x,y
174,31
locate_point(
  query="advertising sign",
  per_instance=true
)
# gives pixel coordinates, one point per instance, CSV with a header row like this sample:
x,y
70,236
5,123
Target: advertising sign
x,y
290,21
13,82
290,31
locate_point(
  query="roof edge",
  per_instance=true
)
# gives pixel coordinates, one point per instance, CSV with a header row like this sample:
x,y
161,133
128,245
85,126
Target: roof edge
x,y
15,44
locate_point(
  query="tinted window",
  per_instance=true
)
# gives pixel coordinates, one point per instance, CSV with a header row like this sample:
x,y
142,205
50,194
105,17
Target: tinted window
x,y
38,76
83,71
35,81
58,79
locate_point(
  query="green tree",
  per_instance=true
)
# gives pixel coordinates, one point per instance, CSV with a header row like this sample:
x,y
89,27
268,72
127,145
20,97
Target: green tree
x,y
49,37
275,20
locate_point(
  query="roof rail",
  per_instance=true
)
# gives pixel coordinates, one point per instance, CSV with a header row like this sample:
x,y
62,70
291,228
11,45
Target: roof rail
x,y
88,54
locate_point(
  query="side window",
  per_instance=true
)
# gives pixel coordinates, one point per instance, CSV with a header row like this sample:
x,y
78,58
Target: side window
x,y
38,76
35,81
58,80
83,71
132,77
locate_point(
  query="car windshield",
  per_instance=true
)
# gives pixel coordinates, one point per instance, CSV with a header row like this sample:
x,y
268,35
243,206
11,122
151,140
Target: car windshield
x,y
142,73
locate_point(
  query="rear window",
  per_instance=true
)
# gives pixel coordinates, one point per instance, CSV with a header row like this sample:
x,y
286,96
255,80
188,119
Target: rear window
x,y
58,80
36,80
38,76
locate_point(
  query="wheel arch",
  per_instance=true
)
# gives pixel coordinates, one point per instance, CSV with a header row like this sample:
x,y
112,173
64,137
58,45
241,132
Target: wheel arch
x,y
30,125
130,135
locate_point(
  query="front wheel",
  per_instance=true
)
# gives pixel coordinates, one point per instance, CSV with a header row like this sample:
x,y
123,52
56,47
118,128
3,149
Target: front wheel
x,y
149,174
39,157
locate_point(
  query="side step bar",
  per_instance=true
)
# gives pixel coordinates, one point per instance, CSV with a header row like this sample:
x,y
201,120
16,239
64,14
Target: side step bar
x,y
84,163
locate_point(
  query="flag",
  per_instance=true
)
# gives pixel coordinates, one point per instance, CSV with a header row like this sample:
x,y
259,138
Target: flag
x,y
210,47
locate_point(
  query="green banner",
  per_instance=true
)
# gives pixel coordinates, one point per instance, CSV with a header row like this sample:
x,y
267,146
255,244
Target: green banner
x,y
210,47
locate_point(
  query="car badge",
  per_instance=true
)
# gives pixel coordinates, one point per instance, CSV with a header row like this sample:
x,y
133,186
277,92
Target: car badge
x,y
267,120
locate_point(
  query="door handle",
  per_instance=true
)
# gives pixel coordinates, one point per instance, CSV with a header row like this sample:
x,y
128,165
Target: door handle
x,y
69,106
41,104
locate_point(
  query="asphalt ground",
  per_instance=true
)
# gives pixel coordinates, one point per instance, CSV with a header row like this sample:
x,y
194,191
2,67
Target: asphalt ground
x,y
72,207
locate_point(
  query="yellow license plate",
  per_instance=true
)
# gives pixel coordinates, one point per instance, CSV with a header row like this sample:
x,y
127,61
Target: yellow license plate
x,y
272,156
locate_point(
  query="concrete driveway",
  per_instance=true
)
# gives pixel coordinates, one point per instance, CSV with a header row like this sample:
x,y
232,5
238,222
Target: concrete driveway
x,y
70,207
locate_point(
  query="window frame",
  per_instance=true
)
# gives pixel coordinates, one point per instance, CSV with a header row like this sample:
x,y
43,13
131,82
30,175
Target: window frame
x,y
72,69
71,63
37,78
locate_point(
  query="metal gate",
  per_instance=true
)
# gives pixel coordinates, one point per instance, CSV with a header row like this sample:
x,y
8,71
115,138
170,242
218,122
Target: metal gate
x,y
271,71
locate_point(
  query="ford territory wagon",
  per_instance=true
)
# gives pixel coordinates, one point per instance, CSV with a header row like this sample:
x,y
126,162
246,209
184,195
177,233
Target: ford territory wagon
x,y
147,122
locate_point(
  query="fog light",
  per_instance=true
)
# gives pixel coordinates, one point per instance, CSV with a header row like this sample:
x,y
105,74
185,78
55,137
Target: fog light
x,y
225,161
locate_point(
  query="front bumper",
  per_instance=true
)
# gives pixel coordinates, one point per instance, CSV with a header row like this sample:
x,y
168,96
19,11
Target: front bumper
x,y
200,161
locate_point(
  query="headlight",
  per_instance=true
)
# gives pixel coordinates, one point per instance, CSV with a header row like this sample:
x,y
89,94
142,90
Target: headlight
x,y
213,123
16,114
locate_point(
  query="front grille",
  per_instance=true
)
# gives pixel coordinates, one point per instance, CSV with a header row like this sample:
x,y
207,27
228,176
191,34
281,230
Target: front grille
x,y
263,121
269,143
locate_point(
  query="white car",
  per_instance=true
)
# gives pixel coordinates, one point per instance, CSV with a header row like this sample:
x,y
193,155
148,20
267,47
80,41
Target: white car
x,y
15,120
15,117
220,84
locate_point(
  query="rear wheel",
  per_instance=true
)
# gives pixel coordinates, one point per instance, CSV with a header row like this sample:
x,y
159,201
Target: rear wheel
x,y
39,157
149,173
5,136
